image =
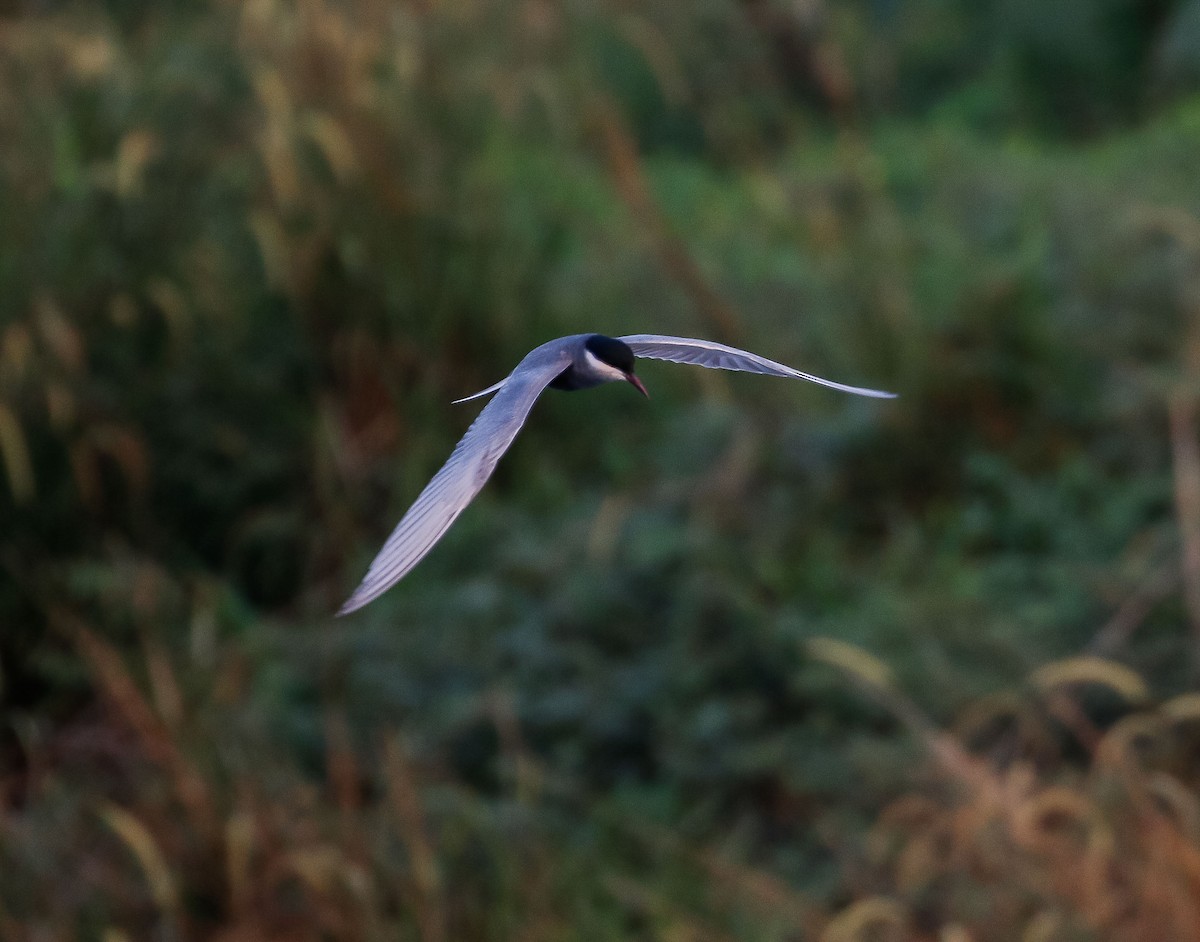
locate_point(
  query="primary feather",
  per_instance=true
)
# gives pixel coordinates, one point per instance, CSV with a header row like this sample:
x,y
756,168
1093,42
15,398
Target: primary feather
x,y
718,356
459,480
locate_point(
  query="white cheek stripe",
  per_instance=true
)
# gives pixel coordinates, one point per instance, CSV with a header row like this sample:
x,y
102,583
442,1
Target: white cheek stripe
x,y
605,369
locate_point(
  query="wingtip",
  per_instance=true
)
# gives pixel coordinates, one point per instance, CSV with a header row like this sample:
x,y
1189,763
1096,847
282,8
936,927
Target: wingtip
x,y
352,604
367,592
862,391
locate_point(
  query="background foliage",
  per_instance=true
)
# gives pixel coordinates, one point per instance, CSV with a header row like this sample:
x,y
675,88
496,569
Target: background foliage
x,y
748,661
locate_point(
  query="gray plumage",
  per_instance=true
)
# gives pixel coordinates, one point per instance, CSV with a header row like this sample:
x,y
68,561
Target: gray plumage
x,y
717,356
575,362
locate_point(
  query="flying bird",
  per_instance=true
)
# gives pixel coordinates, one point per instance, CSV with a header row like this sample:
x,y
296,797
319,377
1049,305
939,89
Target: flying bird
x,y
580,361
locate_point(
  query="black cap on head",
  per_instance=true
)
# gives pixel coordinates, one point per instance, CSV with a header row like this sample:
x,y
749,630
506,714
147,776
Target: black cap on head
x,y
611,351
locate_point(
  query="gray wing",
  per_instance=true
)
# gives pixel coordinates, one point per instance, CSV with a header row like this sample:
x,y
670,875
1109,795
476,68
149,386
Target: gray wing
x,y
460,479
717,356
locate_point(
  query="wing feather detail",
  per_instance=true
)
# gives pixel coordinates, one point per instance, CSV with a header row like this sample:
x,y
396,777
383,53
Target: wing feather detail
x,y
462,476
718,356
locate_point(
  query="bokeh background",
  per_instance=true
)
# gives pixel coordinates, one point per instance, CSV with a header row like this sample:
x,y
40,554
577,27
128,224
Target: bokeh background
x,y
750,660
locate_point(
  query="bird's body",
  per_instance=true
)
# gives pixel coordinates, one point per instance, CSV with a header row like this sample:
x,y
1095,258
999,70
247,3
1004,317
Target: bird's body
x,y
579,361
594,361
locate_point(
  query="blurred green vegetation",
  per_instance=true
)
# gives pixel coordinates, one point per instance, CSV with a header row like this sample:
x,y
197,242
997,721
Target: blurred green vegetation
x,y
747,661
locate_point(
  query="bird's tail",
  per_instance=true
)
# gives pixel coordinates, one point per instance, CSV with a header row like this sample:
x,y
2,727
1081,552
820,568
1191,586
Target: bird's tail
x,y
482,392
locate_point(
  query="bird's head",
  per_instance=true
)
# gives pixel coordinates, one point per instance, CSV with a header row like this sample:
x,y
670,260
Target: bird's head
x,y
612,359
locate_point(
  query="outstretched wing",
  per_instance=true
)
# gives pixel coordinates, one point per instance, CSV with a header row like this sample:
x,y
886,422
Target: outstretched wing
x,y
460,479
717,356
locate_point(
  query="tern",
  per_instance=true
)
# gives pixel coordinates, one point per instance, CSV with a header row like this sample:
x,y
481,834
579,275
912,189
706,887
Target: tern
x,y
580,361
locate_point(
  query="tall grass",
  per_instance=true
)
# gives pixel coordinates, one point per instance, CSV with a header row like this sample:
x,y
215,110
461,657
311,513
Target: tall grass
x,y
1024,820
248,253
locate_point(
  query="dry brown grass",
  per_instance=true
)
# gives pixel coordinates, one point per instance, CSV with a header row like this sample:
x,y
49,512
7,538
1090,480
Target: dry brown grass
x,y
158,806
176,824
1007,837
